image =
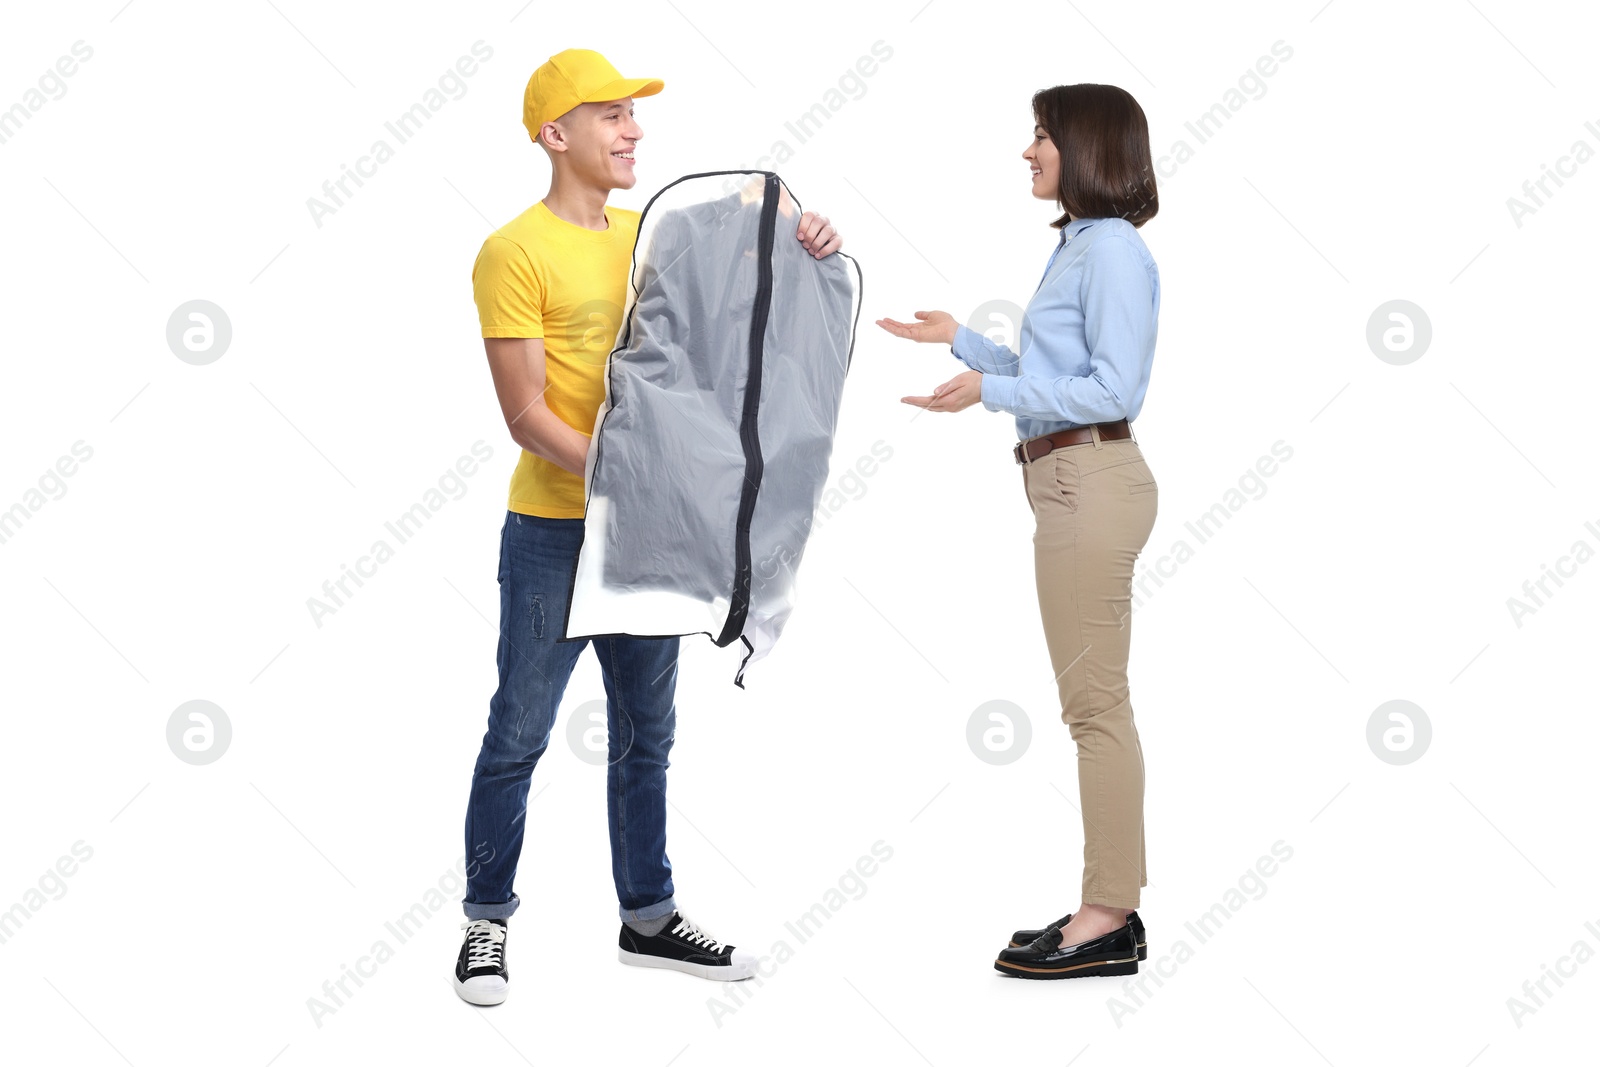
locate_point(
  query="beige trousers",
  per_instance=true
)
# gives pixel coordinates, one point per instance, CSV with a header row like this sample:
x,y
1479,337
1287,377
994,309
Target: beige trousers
x,y
1094,505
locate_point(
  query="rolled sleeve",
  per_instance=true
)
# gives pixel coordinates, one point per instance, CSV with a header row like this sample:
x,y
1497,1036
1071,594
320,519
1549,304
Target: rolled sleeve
x,y
982,354
998,391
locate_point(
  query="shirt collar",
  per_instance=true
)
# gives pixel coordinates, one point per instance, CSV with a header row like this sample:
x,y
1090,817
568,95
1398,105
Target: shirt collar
x,y
1072,228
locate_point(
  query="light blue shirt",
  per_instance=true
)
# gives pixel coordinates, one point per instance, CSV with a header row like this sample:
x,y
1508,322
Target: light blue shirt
x,y
1088,334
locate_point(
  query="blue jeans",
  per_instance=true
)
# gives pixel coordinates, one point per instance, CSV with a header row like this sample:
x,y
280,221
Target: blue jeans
x,y
537,556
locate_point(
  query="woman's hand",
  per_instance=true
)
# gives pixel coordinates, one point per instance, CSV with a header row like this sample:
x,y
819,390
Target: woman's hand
x,y
817,235
934,327
962,391
938,327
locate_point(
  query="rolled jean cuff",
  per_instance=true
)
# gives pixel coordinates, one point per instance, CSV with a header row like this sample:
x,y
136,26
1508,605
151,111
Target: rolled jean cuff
x,y
491,911
649,911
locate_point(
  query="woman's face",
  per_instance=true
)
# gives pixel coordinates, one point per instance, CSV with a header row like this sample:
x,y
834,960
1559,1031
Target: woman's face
x,y
1046,162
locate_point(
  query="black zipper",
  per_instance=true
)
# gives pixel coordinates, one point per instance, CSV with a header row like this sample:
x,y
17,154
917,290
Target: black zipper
x,y
749,432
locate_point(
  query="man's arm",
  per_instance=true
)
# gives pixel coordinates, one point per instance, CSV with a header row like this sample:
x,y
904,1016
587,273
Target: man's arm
x,y
517,364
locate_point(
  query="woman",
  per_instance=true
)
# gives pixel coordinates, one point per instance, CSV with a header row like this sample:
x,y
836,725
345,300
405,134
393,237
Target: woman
x,y
1087,342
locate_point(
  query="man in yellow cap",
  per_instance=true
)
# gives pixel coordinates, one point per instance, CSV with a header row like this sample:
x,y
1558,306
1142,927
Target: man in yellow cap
x,y
550,287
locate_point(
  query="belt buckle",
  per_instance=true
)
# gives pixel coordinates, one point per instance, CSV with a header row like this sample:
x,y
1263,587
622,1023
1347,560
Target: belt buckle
x,y
1024,458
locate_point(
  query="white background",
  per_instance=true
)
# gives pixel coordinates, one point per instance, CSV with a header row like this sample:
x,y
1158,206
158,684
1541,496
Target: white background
x,y
1375,165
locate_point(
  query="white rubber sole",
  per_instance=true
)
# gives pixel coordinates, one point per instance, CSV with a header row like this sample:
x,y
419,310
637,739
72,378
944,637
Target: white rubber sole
x,y
742,966
483,991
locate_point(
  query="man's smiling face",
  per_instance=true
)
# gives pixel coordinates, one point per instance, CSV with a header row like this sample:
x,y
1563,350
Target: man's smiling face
x,y
598,140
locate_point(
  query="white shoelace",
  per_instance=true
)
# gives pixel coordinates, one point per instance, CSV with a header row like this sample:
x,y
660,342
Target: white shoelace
x,y
691,933
483,943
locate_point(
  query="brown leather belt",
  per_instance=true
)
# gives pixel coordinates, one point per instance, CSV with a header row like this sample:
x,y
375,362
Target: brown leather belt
x,y
1034,447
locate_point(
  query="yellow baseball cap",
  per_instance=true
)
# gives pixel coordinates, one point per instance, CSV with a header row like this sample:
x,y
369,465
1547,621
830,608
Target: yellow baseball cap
x,y
576,76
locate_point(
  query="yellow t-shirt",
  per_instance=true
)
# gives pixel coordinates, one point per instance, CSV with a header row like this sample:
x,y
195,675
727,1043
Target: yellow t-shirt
x,y
542,276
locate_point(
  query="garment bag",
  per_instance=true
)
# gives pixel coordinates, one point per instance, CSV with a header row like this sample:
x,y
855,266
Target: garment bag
x,y
710,451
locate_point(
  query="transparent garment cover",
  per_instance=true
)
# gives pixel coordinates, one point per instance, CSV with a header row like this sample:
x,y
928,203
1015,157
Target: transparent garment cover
x,y
710,451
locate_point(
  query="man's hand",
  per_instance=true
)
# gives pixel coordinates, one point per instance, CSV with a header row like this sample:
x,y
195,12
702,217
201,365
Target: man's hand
x,y
959,393
818,235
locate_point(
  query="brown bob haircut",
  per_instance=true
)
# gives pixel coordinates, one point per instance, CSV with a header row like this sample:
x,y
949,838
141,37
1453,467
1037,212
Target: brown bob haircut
x,y
1104,143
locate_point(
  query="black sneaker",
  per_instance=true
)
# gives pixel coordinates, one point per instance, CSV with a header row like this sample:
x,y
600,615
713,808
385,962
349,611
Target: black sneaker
x,y
1024,937
481,974
683,946
1108,954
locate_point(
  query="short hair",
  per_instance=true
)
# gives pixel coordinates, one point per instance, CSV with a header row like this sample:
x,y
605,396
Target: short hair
x,y
1104,143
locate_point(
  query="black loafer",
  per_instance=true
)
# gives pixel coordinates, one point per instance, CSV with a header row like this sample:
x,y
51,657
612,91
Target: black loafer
x,y
1025,937
1107,955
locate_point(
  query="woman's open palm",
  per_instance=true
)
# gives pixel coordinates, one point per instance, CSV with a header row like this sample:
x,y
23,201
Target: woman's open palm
x,y
932,327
